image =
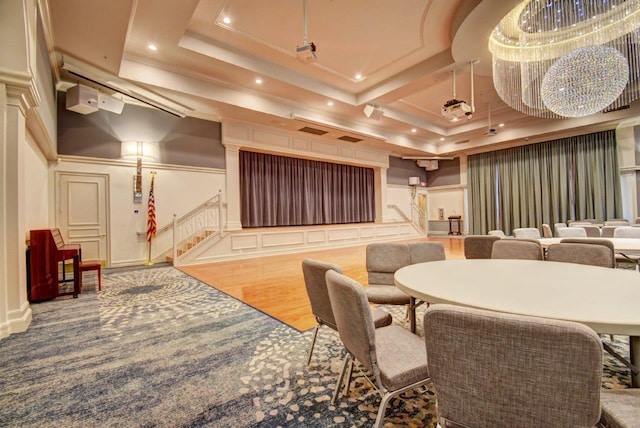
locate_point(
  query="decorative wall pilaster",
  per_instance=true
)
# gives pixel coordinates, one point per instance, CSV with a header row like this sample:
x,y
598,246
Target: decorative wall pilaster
x,y
232,159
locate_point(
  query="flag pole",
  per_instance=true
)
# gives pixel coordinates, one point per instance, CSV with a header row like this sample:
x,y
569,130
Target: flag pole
x,y
151,218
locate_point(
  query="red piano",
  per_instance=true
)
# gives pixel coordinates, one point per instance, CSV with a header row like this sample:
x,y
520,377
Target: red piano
x,y
47,257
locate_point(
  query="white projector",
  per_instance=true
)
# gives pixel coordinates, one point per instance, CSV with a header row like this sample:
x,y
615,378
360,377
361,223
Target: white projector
x,y
373,112
455,110
306,53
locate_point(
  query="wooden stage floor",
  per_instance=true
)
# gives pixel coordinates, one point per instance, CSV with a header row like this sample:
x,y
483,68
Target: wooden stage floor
x,y
275,285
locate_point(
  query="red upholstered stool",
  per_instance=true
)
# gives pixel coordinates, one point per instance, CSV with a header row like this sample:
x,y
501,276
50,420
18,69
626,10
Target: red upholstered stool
x,y
92,265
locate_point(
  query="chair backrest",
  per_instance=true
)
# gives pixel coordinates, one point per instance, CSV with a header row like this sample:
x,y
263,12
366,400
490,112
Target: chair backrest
x,y
616,222
637,220
353,318
503,370
626,232
384,259
575,232
557,226
479,246
591,220
314,280
608,231
522,249
546,231
420,252
527,233
582,253
592,231
498,233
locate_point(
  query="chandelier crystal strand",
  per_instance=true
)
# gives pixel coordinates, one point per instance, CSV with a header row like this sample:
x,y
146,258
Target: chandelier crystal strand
x,y
536,34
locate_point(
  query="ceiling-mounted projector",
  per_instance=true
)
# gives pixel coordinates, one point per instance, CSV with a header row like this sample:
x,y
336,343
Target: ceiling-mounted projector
x,y
455,110
306,53
373,112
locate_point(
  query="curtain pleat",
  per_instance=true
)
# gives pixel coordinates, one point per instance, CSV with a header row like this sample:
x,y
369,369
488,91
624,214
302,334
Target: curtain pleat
x,y
284,191
556,181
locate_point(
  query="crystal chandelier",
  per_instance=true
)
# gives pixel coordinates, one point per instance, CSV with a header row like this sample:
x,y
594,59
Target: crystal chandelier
x,y
567,58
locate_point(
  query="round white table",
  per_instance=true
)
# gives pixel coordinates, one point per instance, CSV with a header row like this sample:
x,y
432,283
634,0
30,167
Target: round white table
x,y
628,246
607,300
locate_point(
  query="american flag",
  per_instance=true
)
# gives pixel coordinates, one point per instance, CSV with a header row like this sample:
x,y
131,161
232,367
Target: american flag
x,y
151,213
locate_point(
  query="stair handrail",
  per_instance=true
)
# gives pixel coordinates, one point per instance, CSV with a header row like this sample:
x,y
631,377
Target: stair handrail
x,y
178,221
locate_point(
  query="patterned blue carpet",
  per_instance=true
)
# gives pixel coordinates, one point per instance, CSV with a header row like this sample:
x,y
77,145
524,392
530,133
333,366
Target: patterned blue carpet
x,y
157,348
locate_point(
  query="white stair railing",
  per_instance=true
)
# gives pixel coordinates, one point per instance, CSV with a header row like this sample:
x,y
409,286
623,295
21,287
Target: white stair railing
x,y
198,224
419,217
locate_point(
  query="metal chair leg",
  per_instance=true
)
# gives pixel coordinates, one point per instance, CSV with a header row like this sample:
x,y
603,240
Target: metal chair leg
x,y
313,343
336,391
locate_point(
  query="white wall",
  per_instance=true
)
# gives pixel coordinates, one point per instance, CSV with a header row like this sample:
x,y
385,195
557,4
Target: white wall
x,y
451,198
177,190
37,207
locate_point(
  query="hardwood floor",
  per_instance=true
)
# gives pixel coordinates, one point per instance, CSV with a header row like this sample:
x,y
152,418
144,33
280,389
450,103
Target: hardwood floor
x,y
275,284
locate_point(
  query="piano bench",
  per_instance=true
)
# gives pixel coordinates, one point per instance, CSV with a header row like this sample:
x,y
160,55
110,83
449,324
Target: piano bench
x,y
90,265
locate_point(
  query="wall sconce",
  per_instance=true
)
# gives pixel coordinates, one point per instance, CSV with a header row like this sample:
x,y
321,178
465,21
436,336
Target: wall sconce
x,y
414,182
139,150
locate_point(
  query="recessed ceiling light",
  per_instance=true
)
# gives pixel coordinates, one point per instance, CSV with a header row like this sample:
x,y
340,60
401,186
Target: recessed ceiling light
x,y
414,130
258,80
441,138
358,76
329,103
501,125
226,20
153,47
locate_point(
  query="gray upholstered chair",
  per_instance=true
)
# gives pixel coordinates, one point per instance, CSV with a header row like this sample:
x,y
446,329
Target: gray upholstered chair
x,y
620,408
314,279
574,232
527,233
608,231
523,249
626,232
557,226
395,358
546,231
604,242
582,253
383,259
592,231
478,246
502,370
496,232
616,222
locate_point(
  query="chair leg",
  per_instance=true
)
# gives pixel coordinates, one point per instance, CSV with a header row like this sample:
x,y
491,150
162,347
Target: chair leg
x,y
383,408
336,391
347,385
313,343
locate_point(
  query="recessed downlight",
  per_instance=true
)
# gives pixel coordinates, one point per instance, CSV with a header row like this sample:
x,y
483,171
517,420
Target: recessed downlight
x,y
226,20
152,47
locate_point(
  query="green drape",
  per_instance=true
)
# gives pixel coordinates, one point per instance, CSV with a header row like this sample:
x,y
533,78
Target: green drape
x,y
551,182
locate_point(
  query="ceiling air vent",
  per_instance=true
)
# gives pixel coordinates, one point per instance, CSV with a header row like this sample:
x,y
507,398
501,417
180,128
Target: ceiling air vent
x,y
350,139
314,131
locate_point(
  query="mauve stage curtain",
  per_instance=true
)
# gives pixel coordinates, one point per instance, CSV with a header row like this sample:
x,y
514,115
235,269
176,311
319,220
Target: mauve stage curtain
x,y
552,182
284,191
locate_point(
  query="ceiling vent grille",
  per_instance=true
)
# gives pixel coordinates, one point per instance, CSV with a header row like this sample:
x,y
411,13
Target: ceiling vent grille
x,y
350,139
314,131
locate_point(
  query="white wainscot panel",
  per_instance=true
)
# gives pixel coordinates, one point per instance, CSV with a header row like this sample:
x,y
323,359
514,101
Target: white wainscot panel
x,y
271,138
244,242
388,231
342,234
347,152
367,232
237,131
282,238
316,236
301,144
325,149
371,156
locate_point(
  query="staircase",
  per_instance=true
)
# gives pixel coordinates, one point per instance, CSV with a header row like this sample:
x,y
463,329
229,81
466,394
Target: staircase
x,y
203,223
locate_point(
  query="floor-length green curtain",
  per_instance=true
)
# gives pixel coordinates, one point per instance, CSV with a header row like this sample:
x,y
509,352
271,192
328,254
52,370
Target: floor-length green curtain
x,y
482,192
568,179
596,176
